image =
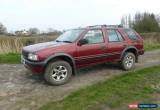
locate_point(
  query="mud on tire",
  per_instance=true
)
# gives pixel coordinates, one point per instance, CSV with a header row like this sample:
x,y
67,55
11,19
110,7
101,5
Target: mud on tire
x,y
58,72
128,61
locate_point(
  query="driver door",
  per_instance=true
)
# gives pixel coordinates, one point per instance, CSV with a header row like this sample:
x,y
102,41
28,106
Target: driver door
x,y
93,51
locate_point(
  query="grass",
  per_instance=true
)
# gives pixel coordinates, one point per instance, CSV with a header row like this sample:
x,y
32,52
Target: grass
x,y
151,40
15,44
137,86
10,58
153,46
150,34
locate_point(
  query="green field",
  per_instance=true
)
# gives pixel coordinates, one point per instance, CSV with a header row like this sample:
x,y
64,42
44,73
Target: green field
x,y
139,86
10,58
151,40
149,47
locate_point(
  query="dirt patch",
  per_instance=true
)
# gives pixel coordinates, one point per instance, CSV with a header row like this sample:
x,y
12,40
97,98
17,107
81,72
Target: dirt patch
x,y
20,90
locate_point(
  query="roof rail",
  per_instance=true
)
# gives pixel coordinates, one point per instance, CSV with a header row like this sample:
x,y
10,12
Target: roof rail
x,y
107,26
95,26
112,26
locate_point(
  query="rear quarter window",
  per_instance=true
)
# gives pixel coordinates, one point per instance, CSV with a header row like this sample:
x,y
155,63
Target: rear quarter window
x,y
114,36
131,34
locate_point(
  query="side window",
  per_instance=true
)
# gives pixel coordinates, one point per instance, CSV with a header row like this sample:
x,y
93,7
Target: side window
x,y
113,36
131,34
120,36
94,36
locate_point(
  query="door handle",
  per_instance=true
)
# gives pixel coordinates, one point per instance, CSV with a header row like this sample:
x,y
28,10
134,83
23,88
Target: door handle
x,y
104,47
124,45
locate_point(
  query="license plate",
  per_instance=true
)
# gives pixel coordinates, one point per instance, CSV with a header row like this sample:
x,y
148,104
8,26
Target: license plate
x,y
22,60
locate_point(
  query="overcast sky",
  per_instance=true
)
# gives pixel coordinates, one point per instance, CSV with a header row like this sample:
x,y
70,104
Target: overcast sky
x,y
63,14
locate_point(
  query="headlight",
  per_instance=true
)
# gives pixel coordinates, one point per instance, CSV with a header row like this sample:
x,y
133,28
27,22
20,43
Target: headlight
x,y
32,56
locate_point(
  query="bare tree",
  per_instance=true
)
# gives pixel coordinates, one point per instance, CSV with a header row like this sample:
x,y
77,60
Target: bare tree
x,y
129,21
50,30
158,18
137,17
33,31
126,21
3,29
123,22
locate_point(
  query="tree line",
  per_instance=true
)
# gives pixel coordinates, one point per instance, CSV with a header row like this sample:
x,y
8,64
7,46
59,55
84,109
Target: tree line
x,y
3,29
142,22
29,32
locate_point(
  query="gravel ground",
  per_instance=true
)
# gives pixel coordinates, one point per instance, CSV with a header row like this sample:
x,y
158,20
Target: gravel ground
x,y
20,90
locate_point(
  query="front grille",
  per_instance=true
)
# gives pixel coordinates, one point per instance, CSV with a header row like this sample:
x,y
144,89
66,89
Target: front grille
x,y
25,54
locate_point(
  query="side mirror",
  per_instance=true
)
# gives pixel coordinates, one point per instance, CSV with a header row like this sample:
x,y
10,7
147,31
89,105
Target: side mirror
x,y
83,41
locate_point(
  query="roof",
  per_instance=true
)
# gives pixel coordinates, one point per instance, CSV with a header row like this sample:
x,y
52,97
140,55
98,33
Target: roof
x,y
101,26
104,26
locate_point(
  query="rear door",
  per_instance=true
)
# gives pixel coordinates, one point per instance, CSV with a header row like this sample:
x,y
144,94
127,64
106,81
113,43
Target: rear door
x,y
116,44
93,51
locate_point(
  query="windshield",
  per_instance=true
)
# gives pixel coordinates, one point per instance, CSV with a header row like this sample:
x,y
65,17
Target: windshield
x,y
69,36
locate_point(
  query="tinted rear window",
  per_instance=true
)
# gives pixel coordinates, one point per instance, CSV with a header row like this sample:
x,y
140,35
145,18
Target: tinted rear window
x,y
131,34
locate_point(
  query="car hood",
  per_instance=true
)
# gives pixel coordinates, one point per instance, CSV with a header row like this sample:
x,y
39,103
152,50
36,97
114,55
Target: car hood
x,y
41,46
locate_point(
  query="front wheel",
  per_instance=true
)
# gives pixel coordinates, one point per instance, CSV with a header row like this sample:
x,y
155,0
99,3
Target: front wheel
x,y
128,61
58,72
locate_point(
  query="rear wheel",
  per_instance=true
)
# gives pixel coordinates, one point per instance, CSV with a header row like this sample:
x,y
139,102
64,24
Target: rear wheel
x,y
58,72
128,61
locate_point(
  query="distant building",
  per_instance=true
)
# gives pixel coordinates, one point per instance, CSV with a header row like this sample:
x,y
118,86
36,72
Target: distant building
x,y
22,32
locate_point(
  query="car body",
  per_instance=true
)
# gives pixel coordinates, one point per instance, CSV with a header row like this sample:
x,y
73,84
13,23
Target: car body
x,y
83,47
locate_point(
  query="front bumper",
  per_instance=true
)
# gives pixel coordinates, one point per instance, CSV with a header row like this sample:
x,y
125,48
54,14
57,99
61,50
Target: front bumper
x,y
35,67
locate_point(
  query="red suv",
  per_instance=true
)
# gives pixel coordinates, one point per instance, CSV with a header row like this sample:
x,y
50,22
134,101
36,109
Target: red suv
x,y
81,47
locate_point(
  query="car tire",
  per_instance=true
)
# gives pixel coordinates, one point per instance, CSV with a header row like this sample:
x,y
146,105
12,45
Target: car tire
x,y
128,61
58,72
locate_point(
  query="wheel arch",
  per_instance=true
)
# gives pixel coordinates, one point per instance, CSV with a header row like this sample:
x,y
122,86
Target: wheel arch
x,y
130,49
62,56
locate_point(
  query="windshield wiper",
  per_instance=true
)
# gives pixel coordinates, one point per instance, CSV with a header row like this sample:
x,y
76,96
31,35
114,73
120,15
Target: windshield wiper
x,y
58,41
67,41
64,41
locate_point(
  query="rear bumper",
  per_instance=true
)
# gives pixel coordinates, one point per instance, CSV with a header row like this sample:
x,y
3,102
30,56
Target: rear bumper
x,y
141,52
35,67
